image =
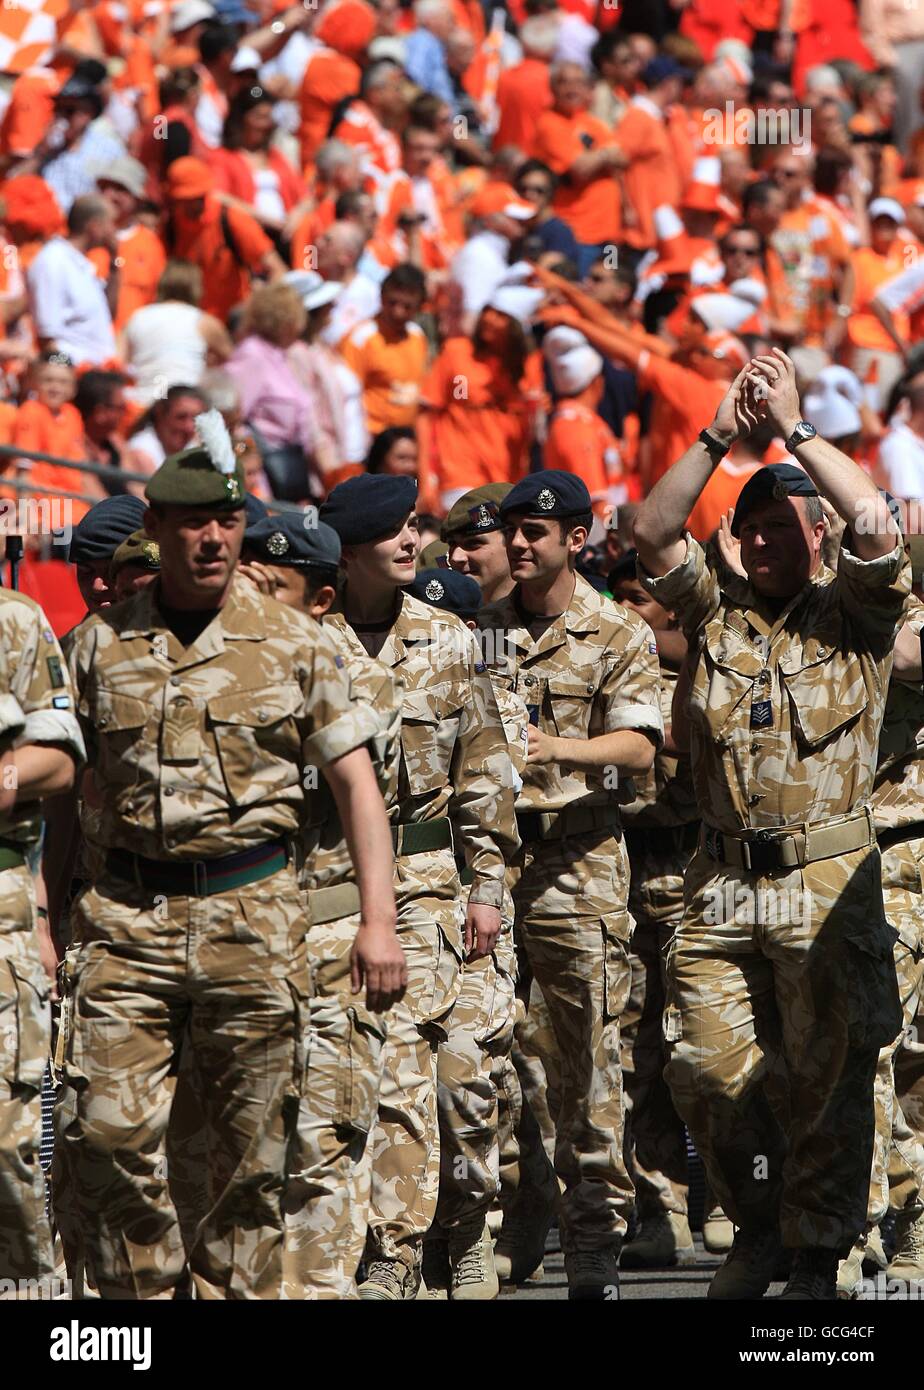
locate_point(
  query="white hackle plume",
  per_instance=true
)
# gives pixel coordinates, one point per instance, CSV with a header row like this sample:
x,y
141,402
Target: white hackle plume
x,y
216,440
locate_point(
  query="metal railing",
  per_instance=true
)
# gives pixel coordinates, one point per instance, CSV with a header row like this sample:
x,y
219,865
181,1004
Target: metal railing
x,y
97,470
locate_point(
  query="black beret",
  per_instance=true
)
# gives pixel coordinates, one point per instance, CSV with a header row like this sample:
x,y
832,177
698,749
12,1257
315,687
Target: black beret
x,y
368,507
772,483
550,492
98,535
286,540
458,593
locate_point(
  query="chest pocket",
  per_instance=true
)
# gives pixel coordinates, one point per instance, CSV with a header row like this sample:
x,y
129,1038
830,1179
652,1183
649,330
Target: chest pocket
x,y
825,688
257,741
570,700
429,729
119,723
726,678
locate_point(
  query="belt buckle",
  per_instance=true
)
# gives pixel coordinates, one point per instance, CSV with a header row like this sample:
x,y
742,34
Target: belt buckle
x,y
767,854
200,878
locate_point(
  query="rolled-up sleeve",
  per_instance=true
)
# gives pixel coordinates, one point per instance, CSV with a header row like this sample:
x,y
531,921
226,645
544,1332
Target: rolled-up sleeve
x,y
42,686
632,688
873,594
691,589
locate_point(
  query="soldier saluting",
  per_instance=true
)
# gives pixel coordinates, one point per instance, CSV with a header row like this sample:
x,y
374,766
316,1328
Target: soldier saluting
x,y
783,1005
206,706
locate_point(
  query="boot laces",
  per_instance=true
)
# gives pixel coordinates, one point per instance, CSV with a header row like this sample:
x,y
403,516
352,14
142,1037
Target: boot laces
x,y
912,1241
471,1267
593,1263
386,1273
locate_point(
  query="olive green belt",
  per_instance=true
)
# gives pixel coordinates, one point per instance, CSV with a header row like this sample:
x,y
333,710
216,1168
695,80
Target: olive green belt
x,y
572,820
790,847
420,837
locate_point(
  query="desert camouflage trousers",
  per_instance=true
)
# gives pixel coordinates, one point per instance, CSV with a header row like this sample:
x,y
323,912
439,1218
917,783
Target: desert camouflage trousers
x,y
573,930
225,976
656,1146
777,1023
329,1185
405,1142
898,1154
480,1035
25,1041
524,1079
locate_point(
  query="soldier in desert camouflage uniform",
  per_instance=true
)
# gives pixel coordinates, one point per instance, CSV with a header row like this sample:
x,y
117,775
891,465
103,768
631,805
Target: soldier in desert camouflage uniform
x,y
781,974
40,747
587,671
898,808
207,707
328,1190
661,830
454,787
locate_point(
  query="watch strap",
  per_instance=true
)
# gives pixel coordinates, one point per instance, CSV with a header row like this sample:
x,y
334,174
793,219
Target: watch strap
x,y
715,446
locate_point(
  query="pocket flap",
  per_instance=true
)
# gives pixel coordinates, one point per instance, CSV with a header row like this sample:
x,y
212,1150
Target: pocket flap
x,y
254,708
115,712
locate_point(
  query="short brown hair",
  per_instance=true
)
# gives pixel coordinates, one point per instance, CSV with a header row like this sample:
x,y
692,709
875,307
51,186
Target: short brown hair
x,y
271,310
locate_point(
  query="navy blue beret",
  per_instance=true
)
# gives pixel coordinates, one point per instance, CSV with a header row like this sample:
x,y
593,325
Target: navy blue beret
x,y
254,508
550,492
772,483
458,593
98,535
286,540
369,507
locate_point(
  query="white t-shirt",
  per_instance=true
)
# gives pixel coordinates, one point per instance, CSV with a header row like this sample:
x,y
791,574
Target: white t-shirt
x,y
268,199
148,443
68,303
901,462
355,432
479,267
164,348
361,299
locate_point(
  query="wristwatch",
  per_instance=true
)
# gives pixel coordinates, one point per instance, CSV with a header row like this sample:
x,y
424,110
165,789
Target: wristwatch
x,y
715,446
800,435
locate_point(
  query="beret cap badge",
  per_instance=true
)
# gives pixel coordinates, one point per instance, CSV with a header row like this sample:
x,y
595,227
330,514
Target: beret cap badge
x,y
277,544
546,499
434,590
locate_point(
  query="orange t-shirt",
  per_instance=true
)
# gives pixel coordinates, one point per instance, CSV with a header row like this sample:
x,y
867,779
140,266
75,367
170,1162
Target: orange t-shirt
x,y
582,443
812,249
684,404
723,490
481,418
37,429
391,373
30,111
144,260
225,276
523,93
871,271
654,174
329,78
594,211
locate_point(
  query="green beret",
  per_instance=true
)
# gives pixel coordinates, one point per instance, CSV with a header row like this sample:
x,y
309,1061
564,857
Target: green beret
x,y
435,554
190,479
138,550
477,512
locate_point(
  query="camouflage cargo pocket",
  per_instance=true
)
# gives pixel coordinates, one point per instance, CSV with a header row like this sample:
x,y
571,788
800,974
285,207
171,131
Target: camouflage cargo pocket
x,y
499,1011
344,1063
25,1023
362,1070
617,972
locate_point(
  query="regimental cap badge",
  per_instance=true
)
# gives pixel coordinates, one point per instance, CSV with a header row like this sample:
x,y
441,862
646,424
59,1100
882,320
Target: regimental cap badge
x,y
150,551
234,489
483,515
278,544
546,499
435,590
780,491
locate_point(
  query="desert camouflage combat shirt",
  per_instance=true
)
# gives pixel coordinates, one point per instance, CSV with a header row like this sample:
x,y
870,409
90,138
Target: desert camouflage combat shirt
x,y
36,700
898,792
593,671
454,758
664,796
785,711
327,859
208,750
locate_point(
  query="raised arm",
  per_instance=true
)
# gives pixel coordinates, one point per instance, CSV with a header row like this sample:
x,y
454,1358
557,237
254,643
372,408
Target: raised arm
x,y
851,492
659,525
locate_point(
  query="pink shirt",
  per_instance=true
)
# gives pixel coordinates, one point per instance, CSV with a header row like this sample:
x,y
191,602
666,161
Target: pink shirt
x,y
273,400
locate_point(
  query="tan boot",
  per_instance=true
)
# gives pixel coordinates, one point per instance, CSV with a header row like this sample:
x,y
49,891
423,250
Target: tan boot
x,y
663,1242
908,1261
718,1231
749,1266
471,1263
390,1281
850,1271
